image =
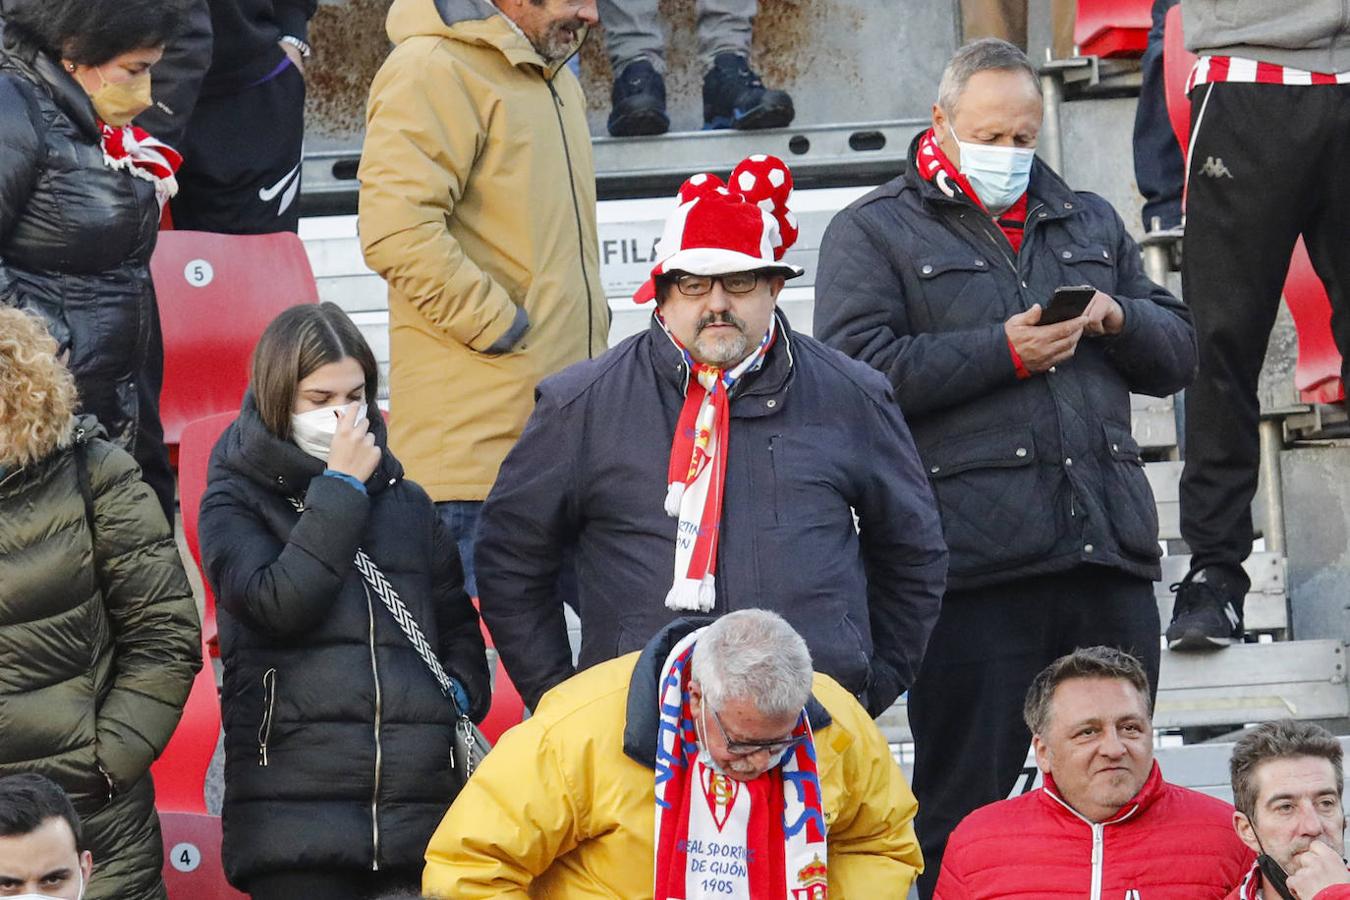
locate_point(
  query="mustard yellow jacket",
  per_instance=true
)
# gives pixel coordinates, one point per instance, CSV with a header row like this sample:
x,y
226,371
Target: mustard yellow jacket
x,y
478,208
558,811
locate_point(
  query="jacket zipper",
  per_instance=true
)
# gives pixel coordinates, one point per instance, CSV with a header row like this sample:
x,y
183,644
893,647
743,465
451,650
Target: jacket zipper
x,y
269,681
1098,840
375,792
1017,274
576,212
1097,854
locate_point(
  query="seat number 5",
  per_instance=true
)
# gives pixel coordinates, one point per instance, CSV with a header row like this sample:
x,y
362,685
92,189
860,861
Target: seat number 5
x,y
199,273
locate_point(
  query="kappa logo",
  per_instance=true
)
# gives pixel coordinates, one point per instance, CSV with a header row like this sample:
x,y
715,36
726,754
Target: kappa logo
x,y
1132,895
1215,168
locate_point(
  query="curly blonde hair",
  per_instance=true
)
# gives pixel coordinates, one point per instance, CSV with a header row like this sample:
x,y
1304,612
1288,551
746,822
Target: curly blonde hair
x,y
37,392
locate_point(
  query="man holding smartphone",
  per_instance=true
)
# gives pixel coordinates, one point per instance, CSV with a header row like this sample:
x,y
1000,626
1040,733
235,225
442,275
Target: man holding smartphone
x,y
943,280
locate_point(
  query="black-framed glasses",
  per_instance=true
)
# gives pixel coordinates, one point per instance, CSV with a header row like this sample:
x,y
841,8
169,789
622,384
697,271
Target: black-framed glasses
x,y
750,748
732,283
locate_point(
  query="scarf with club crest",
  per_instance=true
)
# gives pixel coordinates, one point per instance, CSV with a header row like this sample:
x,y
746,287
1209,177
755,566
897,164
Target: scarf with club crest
x,y
697,473
717,837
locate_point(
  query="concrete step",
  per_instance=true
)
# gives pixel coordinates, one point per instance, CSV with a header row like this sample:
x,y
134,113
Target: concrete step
x,y
1204,767
1165,479
1239,685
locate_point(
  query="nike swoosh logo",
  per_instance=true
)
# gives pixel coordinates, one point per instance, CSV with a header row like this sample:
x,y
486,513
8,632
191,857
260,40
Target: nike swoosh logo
x,y
266,194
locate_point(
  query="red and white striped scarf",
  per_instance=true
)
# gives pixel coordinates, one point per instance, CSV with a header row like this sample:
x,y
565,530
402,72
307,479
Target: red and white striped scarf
x,y
1250,889
143,156
697,474
717,837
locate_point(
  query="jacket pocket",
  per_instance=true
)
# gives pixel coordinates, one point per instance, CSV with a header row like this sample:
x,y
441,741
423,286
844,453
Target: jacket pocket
x,y
269,685
995,502
1090,264
1129,499
808,478
947,279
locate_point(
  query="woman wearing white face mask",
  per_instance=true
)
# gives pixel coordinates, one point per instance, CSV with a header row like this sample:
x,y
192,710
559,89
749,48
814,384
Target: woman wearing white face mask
x,y
80,196
337,735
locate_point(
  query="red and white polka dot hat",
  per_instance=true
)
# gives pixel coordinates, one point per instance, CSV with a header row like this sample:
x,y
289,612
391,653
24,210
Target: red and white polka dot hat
x,y
738,226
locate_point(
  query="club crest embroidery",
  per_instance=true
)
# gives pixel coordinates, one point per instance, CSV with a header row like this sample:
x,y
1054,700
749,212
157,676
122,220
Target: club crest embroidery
x,y
813,882
720,792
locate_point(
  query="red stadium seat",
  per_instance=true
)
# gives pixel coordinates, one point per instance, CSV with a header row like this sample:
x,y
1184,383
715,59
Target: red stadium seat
x,y
197,440
507,707
180,771
1112,28
192,866
507,711
1317,375
217,292
1177,65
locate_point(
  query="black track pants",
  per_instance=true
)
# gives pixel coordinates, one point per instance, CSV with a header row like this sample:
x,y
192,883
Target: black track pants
x,y
1267,163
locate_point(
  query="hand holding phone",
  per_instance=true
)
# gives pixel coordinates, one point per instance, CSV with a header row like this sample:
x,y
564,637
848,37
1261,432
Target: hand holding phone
x,y
1042,347
1067,303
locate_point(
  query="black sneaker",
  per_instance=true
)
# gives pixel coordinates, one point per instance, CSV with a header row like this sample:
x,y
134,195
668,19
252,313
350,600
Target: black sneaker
x,y
734,97
638,102
1207,614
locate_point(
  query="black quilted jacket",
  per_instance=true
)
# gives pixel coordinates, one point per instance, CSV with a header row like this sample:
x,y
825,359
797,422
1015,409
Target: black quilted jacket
x,y
1032,476
76,238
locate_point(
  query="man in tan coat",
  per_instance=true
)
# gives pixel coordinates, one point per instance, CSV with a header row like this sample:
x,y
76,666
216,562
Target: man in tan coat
x,y
478,208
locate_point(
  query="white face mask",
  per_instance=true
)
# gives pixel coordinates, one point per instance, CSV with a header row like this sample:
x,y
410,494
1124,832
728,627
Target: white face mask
x,y
79,896
999,175
313,431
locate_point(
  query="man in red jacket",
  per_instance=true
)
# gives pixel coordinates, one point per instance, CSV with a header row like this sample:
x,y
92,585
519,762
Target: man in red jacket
x,y
1105,825
1287,785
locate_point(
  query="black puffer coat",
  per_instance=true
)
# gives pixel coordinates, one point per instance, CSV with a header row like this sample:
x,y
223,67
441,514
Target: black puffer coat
x,y
1032,476
337,738
90,679
75,245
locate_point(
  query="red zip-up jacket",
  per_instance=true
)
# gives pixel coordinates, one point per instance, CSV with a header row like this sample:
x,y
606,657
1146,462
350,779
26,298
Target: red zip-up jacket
x,y
1168,843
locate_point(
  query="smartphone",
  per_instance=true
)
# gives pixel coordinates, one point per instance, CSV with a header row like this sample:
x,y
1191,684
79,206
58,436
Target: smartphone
x,y
1067,303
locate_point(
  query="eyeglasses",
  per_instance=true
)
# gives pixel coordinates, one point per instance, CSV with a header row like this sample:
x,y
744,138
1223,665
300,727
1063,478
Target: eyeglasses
x,y
732,283
750,748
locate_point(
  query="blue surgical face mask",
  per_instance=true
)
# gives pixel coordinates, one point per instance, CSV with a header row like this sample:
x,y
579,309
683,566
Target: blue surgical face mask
x,y
999,175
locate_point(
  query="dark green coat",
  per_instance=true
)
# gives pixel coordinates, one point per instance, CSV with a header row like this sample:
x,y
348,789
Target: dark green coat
x,y
90,682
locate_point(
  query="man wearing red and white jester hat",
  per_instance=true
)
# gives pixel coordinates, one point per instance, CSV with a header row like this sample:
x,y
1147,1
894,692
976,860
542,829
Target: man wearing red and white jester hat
x,y
716,462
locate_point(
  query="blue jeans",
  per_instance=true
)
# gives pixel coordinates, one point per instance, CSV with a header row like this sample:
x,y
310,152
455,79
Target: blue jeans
x,y
1159,167
460,518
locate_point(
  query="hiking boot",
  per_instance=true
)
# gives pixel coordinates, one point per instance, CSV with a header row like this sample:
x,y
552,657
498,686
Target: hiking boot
x,y
638,102
734,97
1207,614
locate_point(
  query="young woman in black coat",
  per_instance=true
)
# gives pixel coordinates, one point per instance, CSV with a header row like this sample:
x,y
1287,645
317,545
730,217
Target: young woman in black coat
x,y
338,739
81,191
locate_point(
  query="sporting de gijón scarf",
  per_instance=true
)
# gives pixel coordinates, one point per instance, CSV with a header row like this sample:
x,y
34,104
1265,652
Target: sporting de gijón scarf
x,y
721,838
